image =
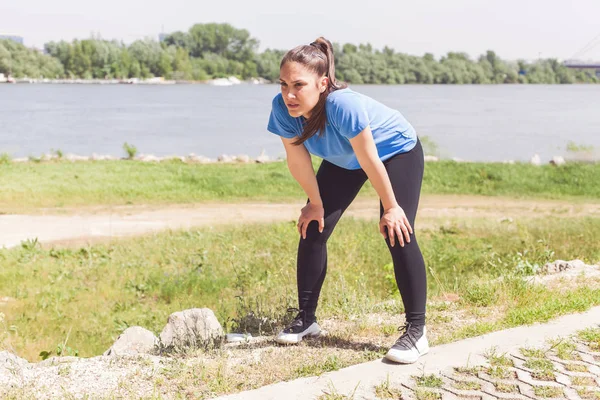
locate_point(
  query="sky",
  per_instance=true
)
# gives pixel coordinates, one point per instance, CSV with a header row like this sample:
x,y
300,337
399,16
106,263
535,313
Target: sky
x,y
514,29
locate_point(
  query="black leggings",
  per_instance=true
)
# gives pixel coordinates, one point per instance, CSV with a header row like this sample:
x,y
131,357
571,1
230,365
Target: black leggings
x,y
338,187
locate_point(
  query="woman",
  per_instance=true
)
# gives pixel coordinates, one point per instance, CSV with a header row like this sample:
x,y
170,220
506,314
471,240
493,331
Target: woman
x,y
358,139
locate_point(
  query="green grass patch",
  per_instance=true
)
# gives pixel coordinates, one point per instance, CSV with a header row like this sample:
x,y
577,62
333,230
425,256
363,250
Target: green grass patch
x,y
500,372
576,368
65,184
429,380
583,381
467,385
498,359
533,352
548,391
386,391
591,337
506,387
588,394
78,300
424,394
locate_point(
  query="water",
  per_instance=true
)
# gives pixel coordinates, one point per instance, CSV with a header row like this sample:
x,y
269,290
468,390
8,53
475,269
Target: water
x,y
479,123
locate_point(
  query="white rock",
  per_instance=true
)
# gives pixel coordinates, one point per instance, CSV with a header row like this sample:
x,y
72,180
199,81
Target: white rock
x,y
9,360
431,158
243,158
149,158
190,328
263,158
225,158
557,160
238,337
74,157
561,266
134,340
535,160
20,160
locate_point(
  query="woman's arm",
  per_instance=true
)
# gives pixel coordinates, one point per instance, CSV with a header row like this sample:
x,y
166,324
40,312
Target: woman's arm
x,y
368,158
300,165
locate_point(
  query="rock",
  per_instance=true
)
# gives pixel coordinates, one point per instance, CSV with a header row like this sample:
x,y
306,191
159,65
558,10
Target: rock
x,y
101,157
20,160
9,360
53,361
225,158
558,161
195,327
535,160
192,158
74,157
431,158
263,158
134,340
561,266
148,158
243,158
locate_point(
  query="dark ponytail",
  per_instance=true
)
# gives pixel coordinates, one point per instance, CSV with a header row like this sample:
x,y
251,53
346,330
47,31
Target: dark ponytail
x,y
317,57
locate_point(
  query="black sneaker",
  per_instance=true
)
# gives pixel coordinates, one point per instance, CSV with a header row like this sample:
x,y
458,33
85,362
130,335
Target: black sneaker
x,y
410,346
299,328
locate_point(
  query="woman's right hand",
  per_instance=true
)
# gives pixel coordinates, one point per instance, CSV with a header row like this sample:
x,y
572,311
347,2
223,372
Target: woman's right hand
x,y
311,212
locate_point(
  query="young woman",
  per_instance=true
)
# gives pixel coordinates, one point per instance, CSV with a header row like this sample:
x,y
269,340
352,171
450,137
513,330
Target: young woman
x,y
358,139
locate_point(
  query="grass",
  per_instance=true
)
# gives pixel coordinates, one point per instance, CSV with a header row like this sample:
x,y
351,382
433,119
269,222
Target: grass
x,y
548,391
576,368
588,394
565,350
386,391
247,274
506,388
423,394
26,186
429,381
78,300
467,385
500,372
591,337
583,381
496,359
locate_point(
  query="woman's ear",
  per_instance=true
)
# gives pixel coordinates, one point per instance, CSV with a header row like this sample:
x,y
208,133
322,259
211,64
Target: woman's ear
x,y
324,84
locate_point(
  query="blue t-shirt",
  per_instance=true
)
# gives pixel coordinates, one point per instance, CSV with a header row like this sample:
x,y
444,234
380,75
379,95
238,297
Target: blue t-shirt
x,y
348,114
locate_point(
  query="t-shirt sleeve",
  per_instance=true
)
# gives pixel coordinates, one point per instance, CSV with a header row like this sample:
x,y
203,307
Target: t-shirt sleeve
x,y
279,122
348,114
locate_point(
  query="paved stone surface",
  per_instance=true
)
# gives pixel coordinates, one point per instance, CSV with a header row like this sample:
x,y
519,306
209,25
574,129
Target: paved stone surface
x,y
466,370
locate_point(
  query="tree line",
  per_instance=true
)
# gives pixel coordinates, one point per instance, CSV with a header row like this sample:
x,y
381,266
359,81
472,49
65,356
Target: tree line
x,y
215,50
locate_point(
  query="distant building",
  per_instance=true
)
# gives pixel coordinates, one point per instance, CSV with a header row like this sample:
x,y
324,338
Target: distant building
x,y
17,39
162,37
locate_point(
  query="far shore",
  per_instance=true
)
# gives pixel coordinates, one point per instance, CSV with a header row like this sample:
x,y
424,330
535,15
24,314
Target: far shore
x,y
229,81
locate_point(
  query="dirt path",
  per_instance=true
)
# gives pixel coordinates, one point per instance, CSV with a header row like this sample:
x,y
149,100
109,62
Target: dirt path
x,y
79,226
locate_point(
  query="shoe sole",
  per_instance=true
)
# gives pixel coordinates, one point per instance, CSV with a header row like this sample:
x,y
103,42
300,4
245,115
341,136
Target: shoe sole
x,y
398,360
295,338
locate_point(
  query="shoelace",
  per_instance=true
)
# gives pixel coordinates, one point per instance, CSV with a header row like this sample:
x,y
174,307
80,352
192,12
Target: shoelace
x,y
407,339
299,317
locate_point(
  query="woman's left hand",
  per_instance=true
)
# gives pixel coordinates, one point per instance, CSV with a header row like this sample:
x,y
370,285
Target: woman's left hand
x,y
394,219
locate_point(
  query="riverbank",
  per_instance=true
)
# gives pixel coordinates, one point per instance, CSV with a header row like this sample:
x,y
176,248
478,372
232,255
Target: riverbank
x,y
27,187
232,80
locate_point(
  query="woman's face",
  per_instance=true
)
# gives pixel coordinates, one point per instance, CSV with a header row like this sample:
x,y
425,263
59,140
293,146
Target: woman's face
x,y
300,88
